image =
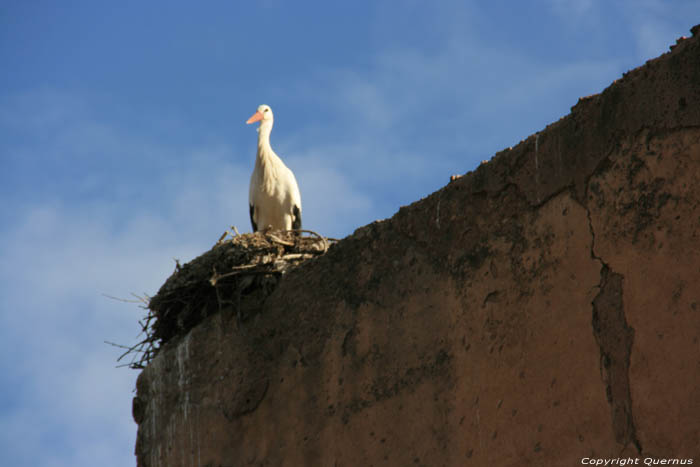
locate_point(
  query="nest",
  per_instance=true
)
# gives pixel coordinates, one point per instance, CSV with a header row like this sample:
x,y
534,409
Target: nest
x,y
235,275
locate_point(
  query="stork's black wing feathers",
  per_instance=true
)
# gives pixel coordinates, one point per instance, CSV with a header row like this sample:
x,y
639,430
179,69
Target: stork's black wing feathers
x,y
252,219
296,221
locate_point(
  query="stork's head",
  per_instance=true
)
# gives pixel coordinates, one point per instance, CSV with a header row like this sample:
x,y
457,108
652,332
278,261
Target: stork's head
x,y
263,114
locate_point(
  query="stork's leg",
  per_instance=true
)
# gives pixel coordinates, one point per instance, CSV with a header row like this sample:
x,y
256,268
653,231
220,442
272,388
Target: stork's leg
x,y
252,218
296,218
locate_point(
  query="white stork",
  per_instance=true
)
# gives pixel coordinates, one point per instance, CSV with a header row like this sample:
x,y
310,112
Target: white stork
x,y
274,199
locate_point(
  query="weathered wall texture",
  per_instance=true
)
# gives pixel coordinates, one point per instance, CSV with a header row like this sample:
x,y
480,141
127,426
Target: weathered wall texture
x,y
541,309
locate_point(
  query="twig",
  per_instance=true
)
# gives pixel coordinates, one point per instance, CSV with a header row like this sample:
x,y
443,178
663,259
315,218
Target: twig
x,y
243,267
145,299
294,256
218,277
125,300
117,345
279,240
326,245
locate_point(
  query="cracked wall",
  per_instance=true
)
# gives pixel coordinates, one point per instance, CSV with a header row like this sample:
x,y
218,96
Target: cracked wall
x,y
538,310
615,339
647,225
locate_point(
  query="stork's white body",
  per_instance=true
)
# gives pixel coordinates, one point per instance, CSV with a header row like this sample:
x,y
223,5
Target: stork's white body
x,y
274,199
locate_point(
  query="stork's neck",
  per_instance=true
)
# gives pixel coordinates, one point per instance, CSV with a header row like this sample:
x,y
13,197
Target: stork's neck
x,y
264,138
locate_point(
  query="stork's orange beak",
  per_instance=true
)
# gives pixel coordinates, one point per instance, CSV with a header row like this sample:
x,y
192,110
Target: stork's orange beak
x,y
257,116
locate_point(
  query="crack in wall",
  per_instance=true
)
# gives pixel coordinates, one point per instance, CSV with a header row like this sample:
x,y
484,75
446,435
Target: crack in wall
x,y
615,338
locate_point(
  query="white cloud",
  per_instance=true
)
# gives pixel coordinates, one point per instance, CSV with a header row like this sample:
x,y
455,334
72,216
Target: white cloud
x,y
331,206
56,266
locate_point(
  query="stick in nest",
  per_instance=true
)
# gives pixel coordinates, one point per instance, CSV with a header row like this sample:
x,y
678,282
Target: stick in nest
x,y
146,349
325,241
276,239
217,277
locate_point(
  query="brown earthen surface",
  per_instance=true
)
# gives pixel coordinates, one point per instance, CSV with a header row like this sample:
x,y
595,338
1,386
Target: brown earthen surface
x,y
542,309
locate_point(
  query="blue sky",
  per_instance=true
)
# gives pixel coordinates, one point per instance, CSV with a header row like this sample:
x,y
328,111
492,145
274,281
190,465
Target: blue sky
x,y
123,146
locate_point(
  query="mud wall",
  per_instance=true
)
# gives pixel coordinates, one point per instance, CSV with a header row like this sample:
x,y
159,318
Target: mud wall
x,y
541,309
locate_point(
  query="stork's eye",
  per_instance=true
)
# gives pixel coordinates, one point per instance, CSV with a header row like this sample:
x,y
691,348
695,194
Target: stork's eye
x,y
266,110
